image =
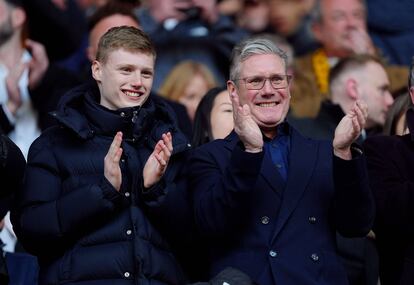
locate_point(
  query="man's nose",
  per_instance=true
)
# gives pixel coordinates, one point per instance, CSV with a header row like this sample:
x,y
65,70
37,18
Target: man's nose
x,y
267,87
389,100
136,79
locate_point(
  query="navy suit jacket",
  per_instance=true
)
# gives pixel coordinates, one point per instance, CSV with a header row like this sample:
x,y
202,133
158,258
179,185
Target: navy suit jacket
x,y
275,231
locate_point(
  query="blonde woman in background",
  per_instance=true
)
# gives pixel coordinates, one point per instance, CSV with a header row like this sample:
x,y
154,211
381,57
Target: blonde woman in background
x,y
187,83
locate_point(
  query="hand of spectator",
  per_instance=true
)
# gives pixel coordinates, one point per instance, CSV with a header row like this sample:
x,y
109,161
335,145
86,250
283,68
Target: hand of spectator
x,y
244,125
112,171
12,85
157,162
60,4
349,129
361,42
208,10
169,9
39,63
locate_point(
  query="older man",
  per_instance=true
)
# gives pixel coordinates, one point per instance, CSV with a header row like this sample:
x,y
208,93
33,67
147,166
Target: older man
x,y
340,27
269,199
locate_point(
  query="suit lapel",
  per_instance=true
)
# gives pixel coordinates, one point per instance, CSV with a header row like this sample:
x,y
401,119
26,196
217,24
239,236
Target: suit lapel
x,y
271,174
302,159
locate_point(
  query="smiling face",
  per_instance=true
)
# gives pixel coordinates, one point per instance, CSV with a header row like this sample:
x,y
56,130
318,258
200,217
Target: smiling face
x,y
268,106
124,78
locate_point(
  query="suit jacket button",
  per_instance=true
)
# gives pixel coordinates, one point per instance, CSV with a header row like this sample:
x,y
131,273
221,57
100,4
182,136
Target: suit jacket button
x,y
273,253
312,220
265,220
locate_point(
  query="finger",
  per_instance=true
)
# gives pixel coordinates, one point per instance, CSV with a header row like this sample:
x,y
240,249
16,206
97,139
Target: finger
x,y
166,152
117,156
115,145
160,160
167,138
364,108
360,116
356,126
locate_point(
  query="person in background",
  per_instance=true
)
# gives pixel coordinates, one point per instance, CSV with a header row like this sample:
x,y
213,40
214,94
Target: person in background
x,y
115,201
214,117
189,30
390,161
340,28
187,83
267,199
291,20
15,268
396,121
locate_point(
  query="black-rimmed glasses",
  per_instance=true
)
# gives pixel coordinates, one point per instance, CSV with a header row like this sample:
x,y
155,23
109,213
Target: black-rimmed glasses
x,y
278,81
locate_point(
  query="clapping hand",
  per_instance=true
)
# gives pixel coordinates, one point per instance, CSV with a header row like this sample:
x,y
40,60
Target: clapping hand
x,y
349,129
112,171
244,125
157,162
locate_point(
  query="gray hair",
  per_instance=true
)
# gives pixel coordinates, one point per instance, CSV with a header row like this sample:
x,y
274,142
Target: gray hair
x,y
250,47
316,12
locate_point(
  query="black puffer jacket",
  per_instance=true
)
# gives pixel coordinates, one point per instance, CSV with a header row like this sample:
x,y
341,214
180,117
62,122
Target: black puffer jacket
x,y
84,231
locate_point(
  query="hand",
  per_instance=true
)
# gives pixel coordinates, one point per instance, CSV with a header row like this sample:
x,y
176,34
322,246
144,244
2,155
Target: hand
x,y
157,162
162,10
112,171
361,42
39,63
208,8
12,85
349,129
244,125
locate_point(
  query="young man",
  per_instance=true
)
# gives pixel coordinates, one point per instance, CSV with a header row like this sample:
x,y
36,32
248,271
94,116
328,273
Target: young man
x,y
101,190
269,199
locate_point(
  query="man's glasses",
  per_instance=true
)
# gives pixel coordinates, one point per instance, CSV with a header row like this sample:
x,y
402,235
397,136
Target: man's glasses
x,y
278,81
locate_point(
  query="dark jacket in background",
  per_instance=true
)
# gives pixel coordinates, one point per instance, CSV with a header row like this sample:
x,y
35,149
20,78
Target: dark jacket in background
x,y
81,229
391,166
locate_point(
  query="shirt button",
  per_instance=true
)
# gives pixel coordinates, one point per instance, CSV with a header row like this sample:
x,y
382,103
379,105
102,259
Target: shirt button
x,y
128,232
122,114
278,165
265,220
312,220
126,274
127,194
273,253
123,160
314,257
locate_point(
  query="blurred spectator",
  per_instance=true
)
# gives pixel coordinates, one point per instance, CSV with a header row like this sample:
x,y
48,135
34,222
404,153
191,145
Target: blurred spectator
x,y
189,30
187,83
390,25
58,24
291,20
396,123
214,117
390,166
353,78
15,268
340,27
254,16
29,86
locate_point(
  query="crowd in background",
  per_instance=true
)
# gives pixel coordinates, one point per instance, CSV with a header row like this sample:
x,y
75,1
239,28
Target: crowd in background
x,y
338,52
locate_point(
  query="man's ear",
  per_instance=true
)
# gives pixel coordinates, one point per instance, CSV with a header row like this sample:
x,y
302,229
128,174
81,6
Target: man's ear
x,y
18,16
96,70
411,93
351,86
